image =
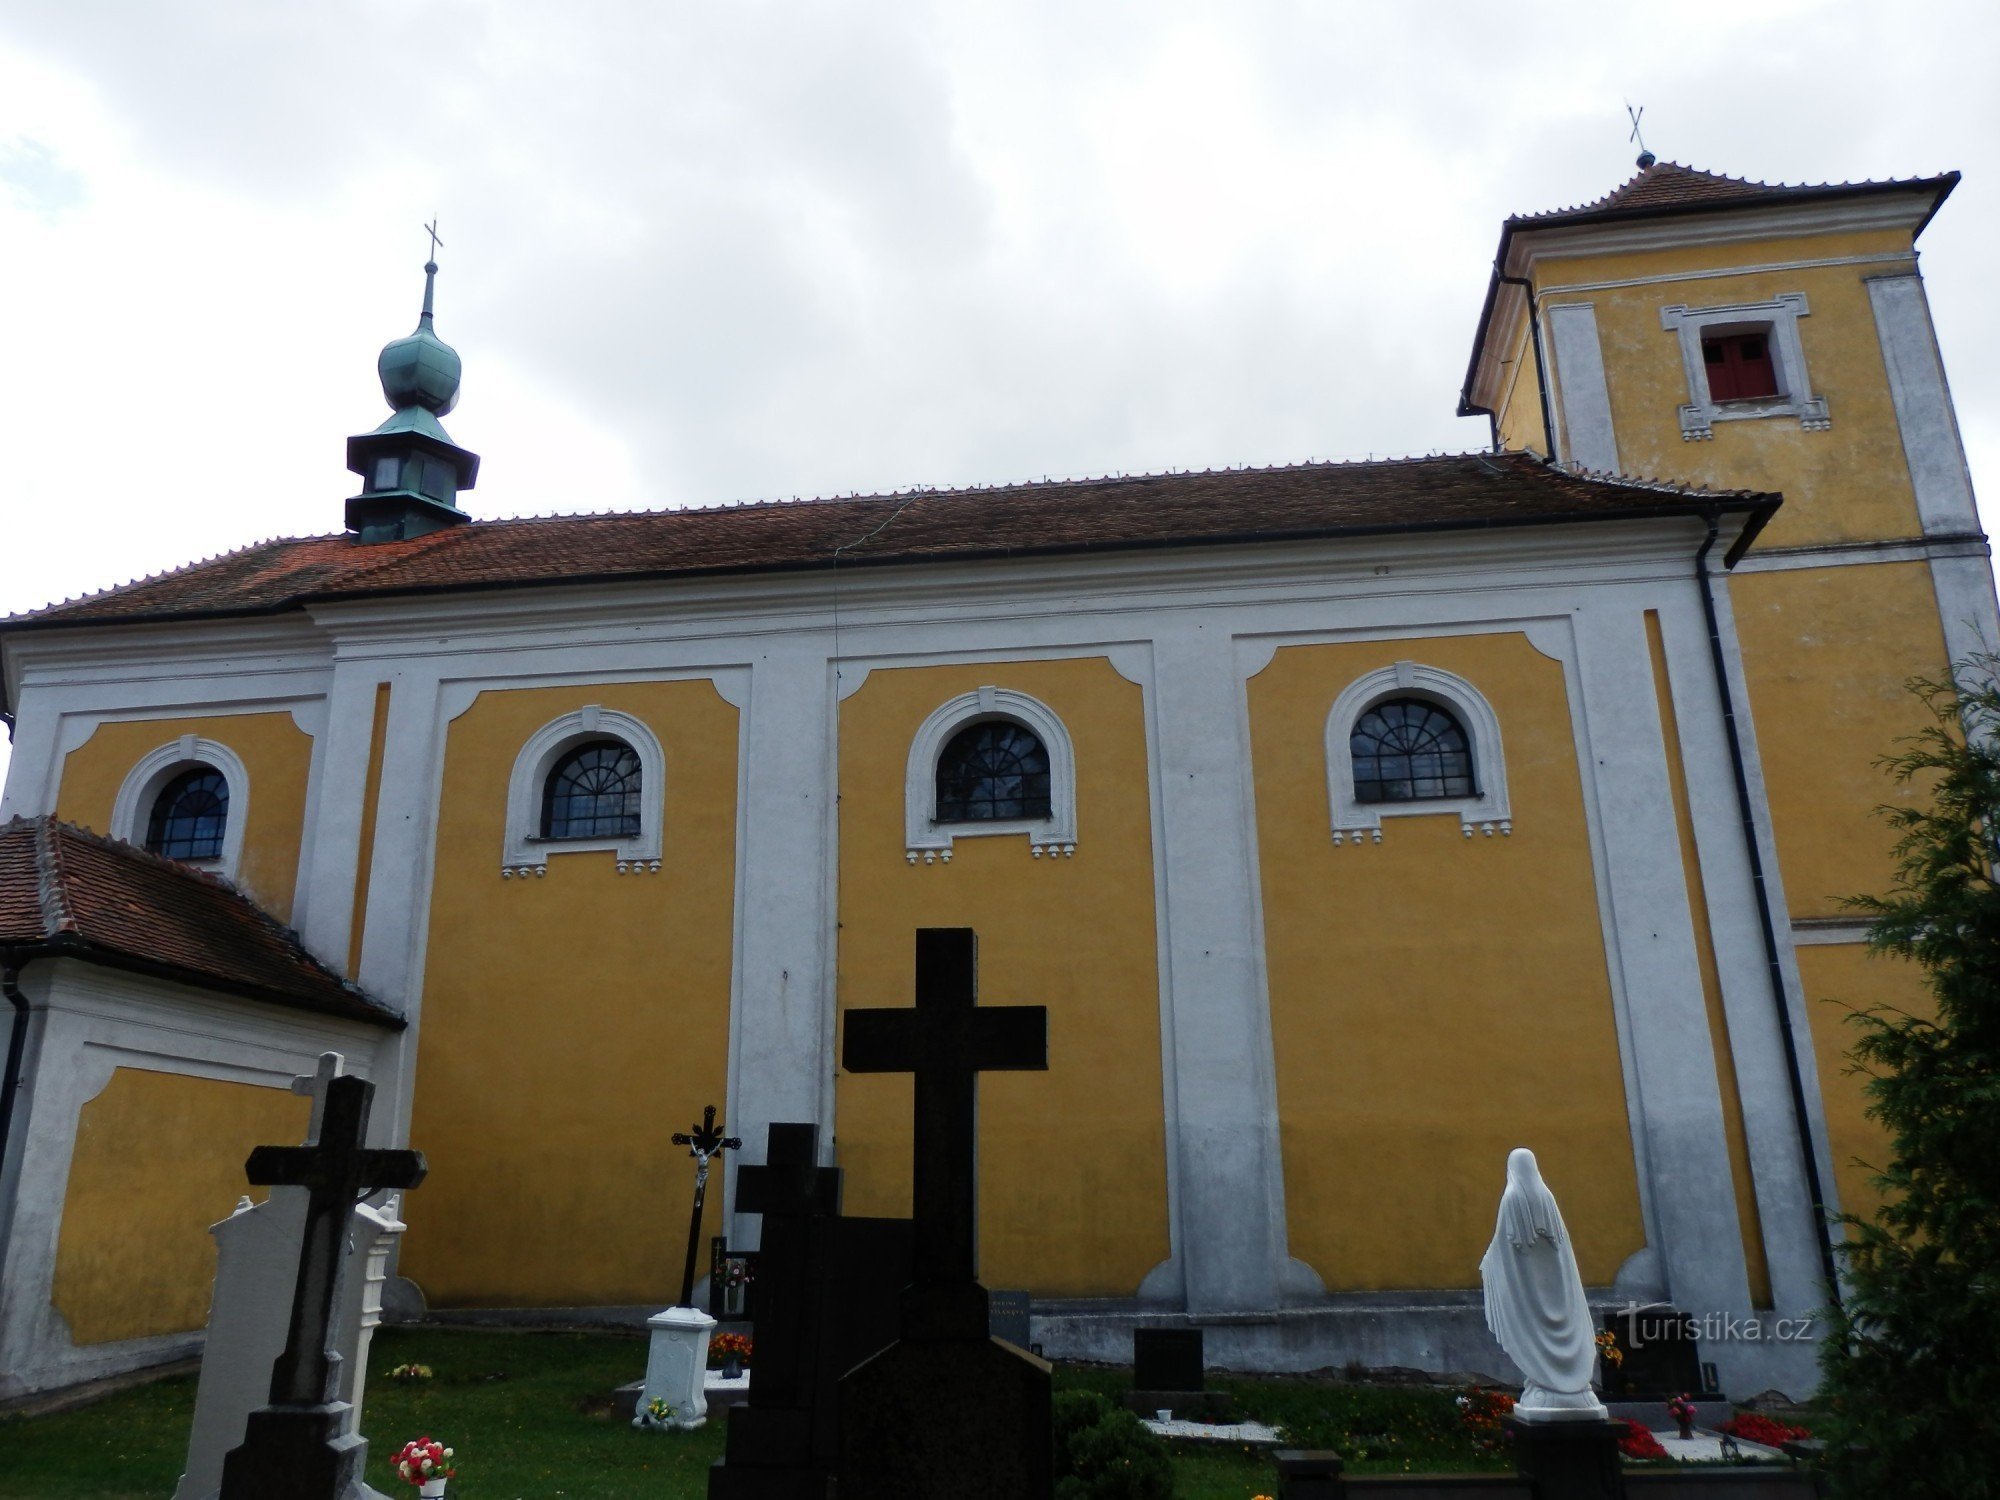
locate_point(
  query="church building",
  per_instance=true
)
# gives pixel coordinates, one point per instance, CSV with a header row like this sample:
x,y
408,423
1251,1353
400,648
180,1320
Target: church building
x,y
1355,823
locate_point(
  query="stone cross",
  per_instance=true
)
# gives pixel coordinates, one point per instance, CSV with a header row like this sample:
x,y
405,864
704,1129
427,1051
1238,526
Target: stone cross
x,y
296,1440
947,1041
703,1141
314,1085
789,1191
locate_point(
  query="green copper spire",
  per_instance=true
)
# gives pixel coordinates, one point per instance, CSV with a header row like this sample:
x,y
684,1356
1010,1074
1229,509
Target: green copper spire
x,y
411,471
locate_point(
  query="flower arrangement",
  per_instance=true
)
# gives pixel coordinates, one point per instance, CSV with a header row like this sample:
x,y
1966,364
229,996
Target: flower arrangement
x,y
736,1272
423,1460
1755,1427
1634,1441
1608,1350
1484,1412
412,1372
1682,1410
727,1346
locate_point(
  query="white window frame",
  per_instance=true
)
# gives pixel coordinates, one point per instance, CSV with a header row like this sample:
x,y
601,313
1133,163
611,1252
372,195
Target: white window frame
x,y
132,808
527,852
927,840
1489,812
1779,319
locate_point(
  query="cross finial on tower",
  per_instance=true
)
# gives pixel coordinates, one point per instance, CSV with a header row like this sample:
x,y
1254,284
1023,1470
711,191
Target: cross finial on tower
x,y
1646,158
431,229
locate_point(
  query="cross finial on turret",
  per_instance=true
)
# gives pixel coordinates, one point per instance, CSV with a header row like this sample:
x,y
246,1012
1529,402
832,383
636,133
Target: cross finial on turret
x,y
431,229
1646,158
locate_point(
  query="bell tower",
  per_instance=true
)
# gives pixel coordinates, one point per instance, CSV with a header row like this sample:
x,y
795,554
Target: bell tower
x,y
1710,330
411,470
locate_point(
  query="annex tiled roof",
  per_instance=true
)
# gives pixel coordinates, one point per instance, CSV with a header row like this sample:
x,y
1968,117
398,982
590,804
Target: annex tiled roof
x,y
1459,492
1667,187
65,890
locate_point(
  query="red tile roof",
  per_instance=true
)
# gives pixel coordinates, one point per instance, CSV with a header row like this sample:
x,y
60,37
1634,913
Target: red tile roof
x,y
1459,492
67,891
1667,187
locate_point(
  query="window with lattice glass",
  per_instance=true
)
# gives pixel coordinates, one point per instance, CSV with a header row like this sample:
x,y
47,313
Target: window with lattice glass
x,y
1408,749
189,816
593,793
992,772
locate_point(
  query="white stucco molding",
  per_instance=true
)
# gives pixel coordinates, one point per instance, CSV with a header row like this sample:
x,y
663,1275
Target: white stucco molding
x,y
527,852
1588,437
1781,317
1488,812
926,839
132,808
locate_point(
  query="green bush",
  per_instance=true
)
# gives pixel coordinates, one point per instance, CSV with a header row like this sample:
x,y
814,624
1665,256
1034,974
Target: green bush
x,y
1105,1453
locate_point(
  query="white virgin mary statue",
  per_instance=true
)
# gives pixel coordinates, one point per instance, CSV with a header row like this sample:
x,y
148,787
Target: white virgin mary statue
x,y
1534,1301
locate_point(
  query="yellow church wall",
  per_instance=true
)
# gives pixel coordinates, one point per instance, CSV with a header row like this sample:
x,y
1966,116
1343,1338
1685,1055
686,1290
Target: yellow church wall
x,y
1400,974
158,1159
1081,1146
571,1021
276,754
1827,653
1839,979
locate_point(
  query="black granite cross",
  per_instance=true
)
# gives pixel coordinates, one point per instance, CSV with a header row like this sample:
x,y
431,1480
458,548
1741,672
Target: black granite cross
x,y
789,1191
947,1040
704,1141
295,1440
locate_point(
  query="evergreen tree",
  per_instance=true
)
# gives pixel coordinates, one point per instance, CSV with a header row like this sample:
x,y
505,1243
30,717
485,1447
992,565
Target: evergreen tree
x,y
1912,1361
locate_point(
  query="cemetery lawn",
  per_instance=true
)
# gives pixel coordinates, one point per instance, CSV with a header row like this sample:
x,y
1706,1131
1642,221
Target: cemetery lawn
x,y
528,1416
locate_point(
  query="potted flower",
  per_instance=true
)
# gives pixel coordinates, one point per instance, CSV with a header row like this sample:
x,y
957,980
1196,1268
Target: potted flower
x,y
425,1463
729,1352
735,1278
656,1415
1681,1409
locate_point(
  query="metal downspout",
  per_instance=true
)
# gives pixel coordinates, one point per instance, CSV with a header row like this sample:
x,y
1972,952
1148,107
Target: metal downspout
x,y
1541,365
1767,925
17,1046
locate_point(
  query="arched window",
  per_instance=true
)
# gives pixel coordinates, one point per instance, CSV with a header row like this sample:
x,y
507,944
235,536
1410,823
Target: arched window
x,y
1407,749
593,792
991,771
190,815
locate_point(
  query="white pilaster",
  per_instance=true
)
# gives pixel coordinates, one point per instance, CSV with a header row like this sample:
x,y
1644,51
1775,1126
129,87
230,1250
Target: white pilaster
x,y
330,850
1650,938
1588,438
1231,1195
781,1065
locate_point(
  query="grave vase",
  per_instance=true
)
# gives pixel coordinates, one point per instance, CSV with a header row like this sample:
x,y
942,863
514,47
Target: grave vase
x,y
431,1489
677,1367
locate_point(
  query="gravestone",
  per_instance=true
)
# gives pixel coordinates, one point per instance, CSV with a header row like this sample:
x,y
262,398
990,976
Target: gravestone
x,y
770,1449
1009,1317
1661,1360
257,1257
946,1406
1168,1374
302,1443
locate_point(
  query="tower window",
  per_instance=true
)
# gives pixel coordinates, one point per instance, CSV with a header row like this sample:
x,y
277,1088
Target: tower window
x,y
990,772
189,816
1739,366
593,793
1408,749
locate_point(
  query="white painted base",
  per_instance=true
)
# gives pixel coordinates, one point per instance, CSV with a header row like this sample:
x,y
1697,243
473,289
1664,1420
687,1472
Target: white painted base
x,y
677,1368
1539,1404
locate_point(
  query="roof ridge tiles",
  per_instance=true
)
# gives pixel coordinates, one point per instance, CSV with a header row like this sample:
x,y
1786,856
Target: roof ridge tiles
x,y
49,890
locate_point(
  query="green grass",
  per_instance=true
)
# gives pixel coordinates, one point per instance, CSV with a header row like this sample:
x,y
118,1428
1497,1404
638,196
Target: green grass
x,y
527,1414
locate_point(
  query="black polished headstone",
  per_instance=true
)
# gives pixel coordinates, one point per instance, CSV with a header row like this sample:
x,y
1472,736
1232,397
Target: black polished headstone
x,y
1167,1359
1008,1317
946,1410
1662,1359
769,1450
296,1446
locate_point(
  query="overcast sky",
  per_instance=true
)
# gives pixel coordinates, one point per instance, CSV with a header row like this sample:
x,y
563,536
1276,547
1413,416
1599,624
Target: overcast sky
x,y
706,252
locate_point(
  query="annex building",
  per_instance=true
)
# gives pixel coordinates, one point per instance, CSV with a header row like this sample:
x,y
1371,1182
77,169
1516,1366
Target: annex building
x,y
1355,823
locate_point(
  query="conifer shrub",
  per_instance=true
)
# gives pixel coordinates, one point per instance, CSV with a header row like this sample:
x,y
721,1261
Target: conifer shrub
x,y
1104,1452
1912,1356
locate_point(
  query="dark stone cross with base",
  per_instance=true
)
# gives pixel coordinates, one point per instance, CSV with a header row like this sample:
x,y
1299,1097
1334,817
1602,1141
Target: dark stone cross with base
x,y
704,1142
947,1410
294,1447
